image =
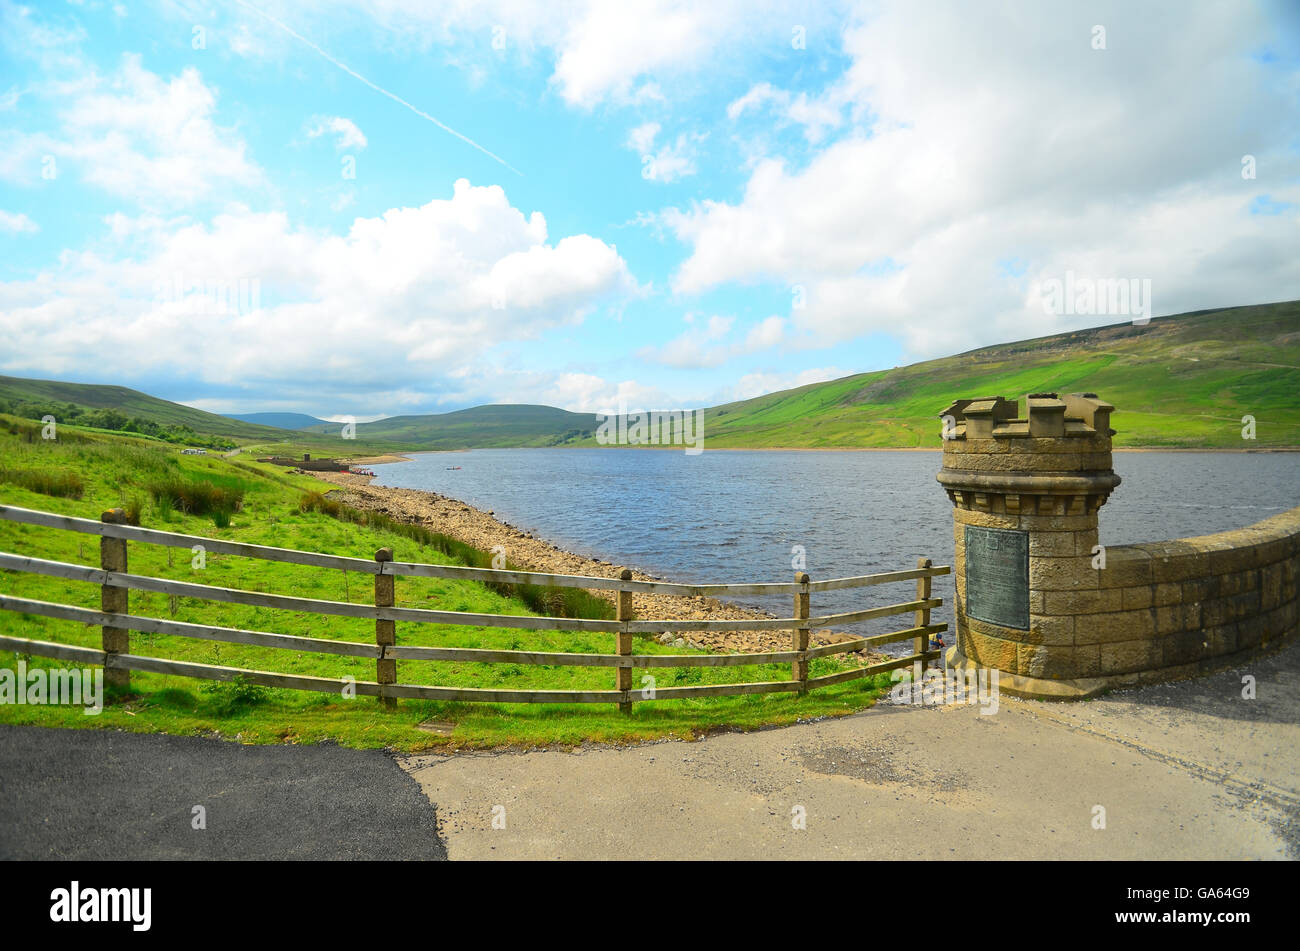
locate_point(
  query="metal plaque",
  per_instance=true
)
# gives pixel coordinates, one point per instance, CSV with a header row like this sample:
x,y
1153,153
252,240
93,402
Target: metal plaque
x,y
997,576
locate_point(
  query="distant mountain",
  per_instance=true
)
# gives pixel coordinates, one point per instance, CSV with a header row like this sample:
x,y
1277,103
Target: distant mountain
x,y
281,420
496,425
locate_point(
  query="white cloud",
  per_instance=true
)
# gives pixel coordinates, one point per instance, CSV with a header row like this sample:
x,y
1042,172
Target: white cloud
x,y
399,304
815,114
642,138
759,383
671,162
626,53
345,131
982,140
705,345
17,223
136,135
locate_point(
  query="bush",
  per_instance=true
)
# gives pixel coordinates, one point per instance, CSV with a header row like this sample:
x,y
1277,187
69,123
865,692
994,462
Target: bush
x,y
199,498
232,696
66,485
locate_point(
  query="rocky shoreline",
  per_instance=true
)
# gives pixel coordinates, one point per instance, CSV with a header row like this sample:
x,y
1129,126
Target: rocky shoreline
x,y
484,531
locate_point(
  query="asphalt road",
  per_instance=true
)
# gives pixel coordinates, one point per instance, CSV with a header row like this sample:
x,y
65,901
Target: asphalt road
x,y
1190,770
1195,769
96,794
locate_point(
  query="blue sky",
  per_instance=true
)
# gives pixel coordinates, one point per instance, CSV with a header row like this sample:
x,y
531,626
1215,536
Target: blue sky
x,y
688,203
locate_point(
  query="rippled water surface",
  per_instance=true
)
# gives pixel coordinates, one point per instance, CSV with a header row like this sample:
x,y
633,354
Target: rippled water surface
x,y
730,515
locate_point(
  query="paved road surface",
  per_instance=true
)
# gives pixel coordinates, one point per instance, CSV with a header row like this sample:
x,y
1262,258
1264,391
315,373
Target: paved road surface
x,y
95,794
1188,770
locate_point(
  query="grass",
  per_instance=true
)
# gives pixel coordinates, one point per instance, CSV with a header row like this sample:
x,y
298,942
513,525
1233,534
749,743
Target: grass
x,y
545,600
66,485
278,508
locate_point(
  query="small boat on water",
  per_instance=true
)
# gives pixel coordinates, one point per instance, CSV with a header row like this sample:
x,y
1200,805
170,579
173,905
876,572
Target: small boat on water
x,y
451,468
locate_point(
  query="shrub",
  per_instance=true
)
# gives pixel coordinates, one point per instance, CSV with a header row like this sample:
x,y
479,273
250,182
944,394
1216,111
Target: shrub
x,y
232,696
63,484
199,498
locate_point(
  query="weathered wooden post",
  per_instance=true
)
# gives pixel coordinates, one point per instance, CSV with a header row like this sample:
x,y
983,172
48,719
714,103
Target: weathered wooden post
x,y
923,614
385,631
625,641
113,599
799,634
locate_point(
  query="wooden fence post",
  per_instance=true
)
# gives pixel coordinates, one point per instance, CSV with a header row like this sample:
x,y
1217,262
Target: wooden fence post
x,y
923,614
625,641
799,636
385,631
113,600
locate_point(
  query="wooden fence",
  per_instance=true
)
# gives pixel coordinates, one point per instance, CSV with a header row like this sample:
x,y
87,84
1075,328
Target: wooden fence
x,y
117,623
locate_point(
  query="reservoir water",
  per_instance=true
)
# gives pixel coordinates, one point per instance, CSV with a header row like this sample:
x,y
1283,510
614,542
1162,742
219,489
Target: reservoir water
x,y
735,516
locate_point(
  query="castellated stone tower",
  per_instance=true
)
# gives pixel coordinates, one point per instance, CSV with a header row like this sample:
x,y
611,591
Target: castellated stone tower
x,y
1025,493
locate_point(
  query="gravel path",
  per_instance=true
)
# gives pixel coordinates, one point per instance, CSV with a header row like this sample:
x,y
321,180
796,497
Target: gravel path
x,y
98,794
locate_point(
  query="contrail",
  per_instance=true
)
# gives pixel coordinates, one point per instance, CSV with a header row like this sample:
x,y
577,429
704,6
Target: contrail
x,y
380,89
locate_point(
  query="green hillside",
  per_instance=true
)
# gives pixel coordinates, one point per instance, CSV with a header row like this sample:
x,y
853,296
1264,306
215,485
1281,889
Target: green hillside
x,y
1179,381
131,403
494,426
31,399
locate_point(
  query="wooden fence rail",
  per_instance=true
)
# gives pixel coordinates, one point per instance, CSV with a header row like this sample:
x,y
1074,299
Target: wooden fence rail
x,y
117,623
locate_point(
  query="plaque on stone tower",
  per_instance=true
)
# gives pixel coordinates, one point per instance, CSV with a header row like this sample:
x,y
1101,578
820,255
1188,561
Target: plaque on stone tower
x,y
997,576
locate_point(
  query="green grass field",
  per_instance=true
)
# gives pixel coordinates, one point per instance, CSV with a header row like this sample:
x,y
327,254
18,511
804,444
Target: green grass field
x,y
119,472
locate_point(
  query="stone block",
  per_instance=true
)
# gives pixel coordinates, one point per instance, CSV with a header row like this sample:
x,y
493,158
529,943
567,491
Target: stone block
x,y
1184,647
1166,593
1126,566
1055,523
1114,626
1223,639
1087,660
1177,617
1136,598
986,519
1052,544
1054,663
1270,582
1084,601
1052,631
1062,574
1127,656
1171,562
990,651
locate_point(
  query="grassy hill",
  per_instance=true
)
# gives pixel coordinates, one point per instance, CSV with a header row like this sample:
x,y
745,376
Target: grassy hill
x,y
33,397
279,420
1179,381
132,403
498,425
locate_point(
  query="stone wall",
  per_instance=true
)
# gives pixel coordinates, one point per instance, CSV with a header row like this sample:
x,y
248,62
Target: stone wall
x,y
1099,618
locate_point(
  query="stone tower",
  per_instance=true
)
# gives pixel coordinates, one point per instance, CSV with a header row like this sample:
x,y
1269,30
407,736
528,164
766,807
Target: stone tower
x,y
1025,493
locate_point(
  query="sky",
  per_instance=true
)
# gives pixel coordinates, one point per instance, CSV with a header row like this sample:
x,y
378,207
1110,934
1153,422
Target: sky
x,y
379,207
